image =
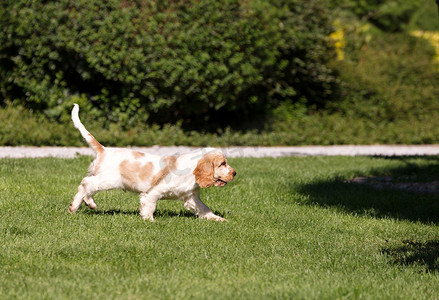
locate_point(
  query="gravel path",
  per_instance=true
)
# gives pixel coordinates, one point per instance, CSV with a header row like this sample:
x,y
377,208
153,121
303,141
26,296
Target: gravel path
x,y
345,150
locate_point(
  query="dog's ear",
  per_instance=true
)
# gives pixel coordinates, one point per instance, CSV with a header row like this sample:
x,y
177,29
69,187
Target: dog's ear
x,y
204,172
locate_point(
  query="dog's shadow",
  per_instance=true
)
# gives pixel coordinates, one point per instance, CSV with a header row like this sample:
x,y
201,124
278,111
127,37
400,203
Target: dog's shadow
x,y
415,253
110,212
160,213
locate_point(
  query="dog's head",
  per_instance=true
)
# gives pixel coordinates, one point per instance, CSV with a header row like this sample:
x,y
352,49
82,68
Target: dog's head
x,y
212,169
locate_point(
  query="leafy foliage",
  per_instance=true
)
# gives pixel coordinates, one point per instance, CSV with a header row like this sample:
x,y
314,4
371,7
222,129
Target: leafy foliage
x,y
166,60
387,15
186,72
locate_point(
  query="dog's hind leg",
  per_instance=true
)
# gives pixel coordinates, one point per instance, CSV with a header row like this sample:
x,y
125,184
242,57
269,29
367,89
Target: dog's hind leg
x,y
77,200
86,190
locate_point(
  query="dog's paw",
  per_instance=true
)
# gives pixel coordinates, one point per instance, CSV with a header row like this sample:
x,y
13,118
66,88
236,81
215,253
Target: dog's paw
x,y
71,210
148,218
214,217
92,206
219,219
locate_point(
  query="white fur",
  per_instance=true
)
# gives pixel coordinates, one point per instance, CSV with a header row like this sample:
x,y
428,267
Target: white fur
x,y
109,171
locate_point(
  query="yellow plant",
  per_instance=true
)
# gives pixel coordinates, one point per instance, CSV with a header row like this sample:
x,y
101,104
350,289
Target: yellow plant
x,y
339,41
432,37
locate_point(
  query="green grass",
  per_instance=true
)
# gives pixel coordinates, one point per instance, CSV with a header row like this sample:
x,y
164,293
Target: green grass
x,y
295,230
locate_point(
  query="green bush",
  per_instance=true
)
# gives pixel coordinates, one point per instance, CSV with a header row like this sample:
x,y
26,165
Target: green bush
x,y
426,17
131,61
388,15
389,96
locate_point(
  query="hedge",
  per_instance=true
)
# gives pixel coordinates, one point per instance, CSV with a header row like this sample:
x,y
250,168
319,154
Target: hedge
x,y
163,61
387,15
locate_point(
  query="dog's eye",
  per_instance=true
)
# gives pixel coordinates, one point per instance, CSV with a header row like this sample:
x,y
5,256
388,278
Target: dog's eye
x,y
223,163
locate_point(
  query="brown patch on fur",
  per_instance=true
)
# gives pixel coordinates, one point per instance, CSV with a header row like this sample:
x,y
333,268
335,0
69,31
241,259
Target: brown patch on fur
x,y
146,171
170,165
97,147
137,154
133,173
100,154
128,172
204,172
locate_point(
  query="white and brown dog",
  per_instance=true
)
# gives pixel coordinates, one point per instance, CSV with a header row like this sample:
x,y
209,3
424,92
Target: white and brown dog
x,y
154,177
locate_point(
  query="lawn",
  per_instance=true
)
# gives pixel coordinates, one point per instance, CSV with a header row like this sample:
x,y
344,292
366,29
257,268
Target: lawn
x,y
296,230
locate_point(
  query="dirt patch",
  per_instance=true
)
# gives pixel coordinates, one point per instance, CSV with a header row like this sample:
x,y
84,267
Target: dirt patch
x,y
388,182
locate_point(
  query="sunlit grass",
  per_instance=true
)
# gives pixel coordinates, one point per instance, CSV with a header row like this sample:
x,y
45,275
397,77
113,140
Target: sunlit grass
x,y
295,230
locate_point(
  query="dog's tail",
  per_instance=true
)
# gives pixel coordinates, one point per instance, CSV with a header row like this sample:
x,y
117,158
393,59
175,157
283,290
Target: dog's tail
x,y
93,143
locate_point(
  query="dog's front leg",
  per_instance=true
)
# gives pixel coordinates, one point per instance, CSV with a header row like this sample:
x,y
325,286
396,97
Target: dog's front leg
x,y
194,204
148,202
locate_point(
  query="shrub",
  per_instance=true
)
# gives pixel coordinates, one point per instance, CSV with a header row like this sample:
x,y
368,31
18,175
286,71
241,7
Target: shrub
x,y
167,60
387,15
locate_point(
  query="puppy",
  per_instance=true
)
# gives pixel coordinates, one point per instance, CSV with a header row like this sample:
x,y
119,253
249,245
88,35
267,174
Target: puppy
x,y
153,177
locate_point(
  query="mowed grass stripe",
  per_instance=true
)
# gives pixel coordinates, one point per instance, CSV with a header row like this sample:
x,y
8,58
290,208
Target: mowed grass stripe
x,y
295,230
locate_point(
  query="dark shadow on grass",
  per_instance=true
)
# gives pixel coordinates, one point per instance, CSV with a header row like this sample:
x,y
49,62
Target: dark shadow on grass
x,y
369,201
160,213
166,213
415,253
110,212
410,168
